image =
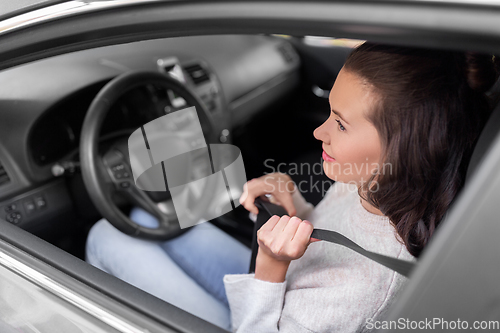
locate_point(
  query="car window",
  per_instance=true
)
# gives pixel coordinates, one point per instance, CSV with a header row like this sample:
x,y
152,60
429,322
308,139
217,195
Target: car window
x,y
32,302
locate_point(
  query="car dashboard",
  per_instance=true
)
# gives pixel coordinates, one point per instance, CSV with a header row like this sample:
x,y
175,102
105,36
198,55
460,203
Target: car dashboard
x,y
43,106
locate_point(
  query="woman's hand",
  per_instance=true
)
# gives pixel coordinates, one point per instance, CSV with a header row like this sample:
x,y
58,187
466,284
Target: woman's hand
x,y
284,238
279,185
281,240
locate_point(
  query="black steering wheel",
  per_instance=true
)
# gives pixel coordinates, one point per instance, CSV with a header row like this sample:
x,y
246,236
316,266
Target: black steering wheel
x,y
99,170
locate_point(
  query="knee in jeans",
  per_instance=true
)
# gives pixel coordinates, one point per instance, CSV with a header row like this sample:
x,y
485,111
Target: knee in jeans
x,y
95,240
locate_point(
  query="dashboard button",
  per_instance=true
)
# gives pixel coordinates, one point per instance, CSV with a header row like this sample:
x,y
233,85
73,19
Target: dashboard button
x,y
11,207
14,217
40,202
29,206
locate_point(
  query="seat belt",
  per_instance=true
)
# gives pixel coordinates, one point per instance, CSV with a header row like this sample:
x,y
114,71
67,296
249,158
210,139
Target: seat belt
x,y
267,209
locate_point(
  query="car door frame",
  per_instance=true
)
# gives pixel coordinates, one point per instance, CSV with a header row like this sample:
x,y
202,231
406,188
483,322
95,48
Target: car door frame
x,y
381,21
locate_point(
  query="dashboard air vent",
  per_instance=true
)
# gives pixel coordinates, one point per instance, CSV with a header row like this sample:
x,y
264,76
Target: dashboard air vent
x,y
197,73
4,177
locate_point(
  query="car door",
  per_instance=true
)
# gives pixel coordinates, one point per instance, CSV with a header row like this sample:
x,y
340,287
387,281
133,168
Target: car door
x,y
44,289
126,21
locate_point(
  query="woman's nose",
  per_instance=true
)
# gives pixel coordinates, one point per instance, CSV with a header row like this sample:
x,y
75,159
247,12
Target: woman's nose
x,y
321,133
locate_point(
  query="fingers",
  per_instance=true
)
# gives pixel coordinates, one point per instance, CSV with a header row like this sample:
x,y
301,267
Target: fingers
x,y
247,199
291,228
285,238
303,233
280,226
287,203
279,185
270,224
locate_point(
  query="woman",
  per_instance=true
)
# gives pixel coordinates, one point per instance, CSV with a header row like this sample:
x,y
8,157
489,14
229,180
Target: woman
x,y
398,140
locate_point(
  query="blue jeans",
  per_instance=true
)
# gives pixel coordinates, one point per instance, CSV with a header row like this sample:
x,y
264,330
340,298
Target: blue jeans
x,y
186,271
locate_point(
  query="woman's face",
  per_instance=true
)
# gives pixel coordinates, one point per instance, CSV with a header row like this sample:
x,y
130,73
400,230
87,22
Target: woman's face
x,y
351,144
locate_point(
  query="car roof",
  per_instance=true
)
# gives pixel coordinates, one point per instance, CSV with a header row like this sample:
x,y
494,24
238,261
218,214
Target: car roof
x,y
24,11
449,24
9,8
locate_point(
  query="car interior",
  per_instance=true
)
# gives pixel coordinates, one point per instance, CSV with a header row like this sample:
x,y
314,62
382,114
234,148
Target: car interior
x,y
265,94
254,87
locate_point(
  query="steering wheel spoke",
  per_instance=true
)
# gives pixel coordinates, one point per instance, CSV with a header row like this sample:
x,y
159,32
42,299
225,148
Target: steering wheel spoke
x,y
141,199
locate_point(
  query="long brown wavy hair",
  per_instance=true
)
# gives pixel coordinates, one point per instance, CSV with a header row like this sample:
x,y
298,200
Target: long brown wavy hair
x,y
430,112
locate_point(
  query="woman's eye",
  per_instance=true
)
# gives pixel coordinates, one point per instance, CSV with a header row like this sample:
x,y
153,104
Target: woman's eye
x,y
341,127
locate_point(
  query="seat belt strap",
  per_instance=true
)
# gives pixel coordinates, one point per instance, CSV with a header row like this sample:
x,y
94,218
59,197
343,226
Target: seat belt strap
x,y
268,209
403,267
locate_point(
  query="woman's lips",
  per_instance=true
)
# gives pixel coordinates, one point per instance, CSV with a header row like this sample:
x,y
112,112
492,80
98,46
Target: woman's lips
x,y
327,157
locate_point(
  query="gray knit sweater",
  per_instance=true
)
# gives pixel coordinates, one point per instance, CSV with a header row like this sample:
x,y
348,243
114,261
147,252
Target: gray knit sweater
x,y
330,288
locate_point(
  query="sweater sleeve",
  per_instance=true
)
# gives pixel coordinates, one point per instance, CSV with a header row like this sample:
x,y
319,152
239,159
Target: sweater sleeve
x,y
347,306
256,305
302,207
